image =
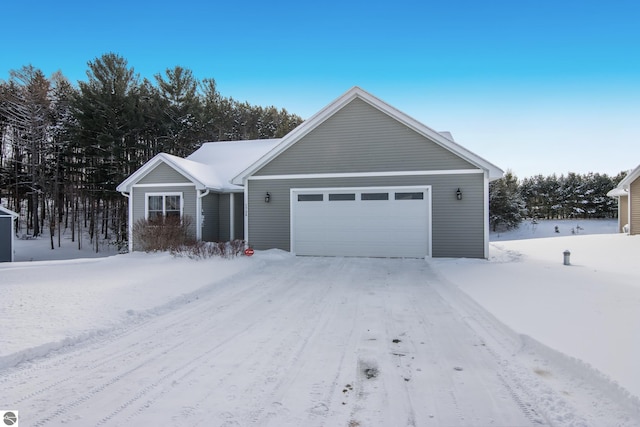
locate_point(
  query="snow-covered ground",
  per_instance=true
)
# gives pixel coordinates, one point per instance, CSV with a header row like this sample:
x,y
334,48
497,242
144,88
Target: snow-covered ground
x,y
557,228
144,339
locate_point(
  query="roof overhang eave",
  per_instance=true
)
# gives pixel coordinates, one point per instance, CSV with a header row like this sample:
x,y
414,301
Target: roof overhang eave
x,y
618,192
6,212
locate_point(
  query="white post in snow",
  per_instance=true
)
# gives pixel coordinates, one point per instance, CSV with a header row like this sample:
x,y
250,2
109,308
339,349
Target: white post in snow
x,y
567,256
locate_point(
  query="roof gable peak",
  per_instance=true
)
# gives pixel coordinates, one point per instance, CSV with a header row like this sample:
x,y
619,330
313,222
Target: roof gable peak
x,y
356,92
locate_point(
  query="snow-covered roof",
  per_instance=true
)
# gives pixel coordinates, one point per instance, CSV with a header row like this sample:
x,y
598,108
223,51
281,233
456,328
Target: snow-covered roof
x,y
617,192
227,159
212,166
623,187
444,139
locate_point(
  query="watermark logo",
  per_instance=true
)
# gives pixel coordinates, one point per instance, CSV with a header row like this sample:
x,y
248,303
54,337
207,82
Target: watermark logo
x,y
9,418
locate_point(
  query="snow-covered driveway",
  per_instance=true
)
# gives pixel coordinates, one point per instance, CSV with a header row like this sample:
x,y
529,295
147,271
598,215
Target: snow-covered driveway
x,y
309,342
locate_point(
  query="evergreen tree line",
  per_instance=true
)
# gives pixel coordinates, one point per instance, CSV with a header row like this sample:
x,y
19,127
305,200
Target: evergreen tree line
x,y
568,196
64,148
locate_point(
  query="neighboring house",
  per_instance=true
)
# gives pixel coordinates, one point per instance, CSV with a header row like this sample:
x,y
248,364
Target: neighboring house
x,y
628,195
359,178
7,234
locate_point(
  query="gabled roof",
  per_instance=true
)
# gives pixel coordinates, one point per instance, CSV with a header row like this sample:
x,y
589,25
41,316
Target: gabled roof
x,y
314,121
623,187
631,176
210,167
227,159
7,212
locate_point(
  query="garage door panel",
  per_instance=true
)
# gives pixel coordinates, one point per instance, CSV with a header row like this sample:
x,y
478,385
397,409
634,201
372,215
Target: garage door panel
x,y
343,224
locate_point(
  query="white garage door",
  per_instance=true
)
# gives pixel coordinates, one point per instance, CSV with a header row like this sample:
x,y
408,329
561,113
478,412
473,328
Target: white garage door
x,y
368,222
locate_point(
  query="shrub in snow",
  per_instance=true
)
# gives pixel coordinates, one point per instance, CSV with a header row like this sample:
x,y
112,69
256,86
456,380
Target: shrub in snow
x,y
163,234
201,250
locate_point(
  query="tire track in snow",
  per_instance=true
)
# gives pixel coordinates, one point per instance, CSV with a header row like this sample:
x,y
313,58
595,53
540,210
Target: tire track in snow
x,y
280,367
152,344
502,345
289,285
278,347
297,328
257,301
69,354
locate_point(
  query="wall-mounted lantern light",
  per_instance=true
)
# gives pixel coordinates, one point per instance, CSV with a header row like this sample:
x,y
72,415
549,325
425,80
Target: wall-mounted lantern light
x,y
459,194
267,197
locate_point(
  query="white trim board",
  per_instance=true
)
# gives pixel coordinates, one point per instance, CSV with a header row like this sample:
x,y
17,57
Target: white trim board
x,y
366,174
172,184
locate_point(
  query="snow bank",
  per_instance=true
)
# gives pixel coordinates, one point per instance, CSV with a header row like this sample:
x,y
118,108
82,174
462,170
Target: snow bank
x,y
588,310
47,305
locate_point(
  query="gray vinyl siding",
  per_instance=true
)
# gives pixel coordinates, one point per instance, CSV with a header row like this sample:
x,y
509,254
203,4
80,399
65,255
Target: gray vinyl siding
x,y
238,216
457,225
6,238
163,174
361,138
224,221
210,208
188,195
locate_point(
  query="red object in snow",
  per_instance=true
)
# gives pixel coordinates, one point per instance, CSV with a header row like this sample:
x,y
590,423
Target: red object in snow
x,y
248,252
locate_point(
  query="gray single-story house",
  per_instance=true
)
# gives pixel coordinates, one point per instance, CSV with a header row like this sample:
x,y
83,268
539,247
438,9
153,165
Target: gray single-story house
x,y
7,234
628,194
358,178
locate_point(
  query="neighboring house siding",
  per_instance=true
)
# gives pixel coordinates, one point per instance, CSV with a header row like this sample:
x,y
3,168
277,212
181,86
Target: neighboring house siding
x,y
188,195
457,225
6,238
163,174
223,230
634,200
361,138
623,212
210,208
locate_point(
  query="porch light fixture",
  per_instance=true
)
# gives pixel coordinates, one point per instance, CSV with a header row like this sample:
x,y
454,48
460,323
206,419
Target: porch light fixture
x,y
267,197
459,194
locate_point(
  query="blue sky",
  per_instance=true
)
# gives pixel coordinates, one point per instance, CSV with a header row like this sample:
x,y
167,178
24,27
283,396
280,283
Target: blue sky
x,y
535,87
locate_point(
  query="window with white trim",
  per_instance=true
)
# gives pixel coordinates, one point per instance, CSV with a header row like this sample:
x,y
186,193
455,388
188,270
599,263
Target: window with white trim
x,y
163,205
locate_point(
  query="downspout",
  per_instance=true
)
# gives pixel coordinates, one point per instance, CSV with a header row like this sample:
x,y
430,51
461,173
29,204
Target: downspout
x,y
618,199
245,181
199,224
130,225
13,238
630,232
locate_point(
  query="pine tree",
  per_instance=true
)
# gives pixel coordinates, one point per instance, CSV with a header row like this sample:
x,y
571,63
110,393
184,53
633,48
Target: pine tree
x,y
107,135
182,110
505,203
